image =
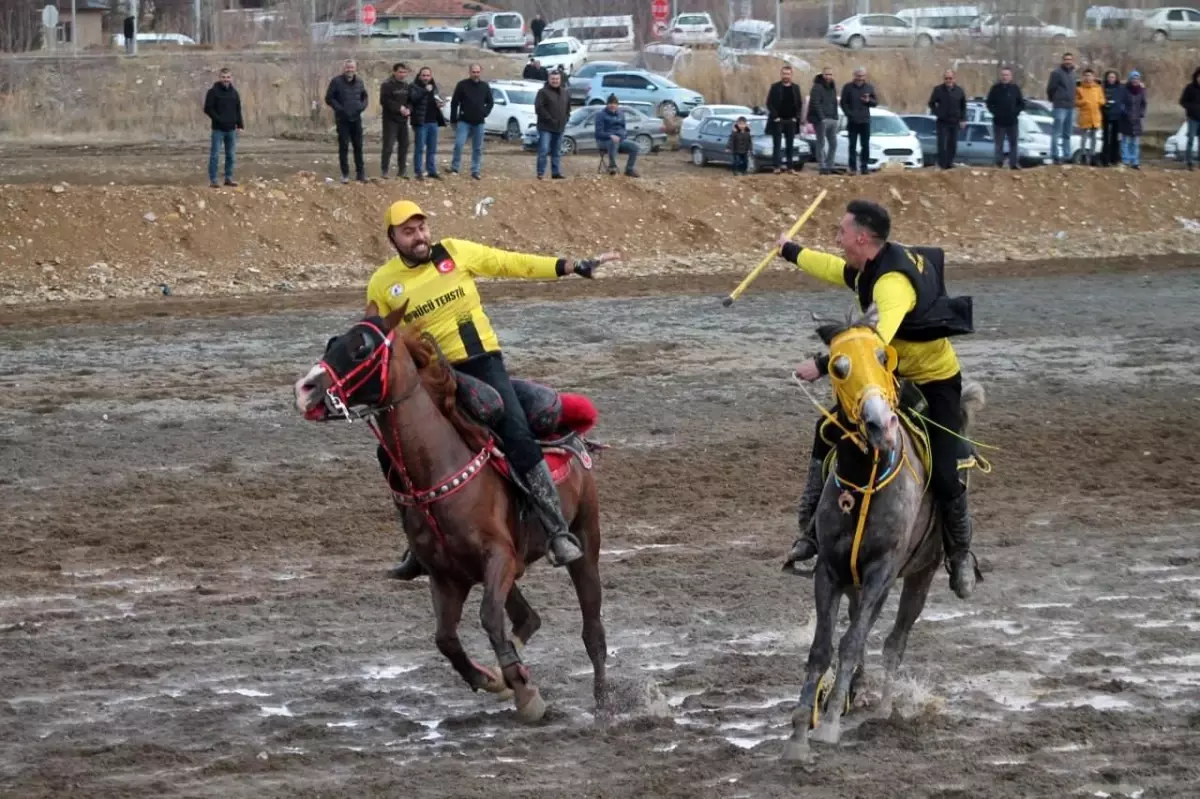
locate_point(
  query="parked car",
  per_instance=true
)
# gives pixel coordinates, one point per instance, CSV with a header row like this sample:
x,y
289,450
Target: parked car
x,y
976,143
1177,143
1036,126
695,28
496,30
891,142
581,79
712,140
433,35
668,97
747,36
880,30
952,21
1174,24
566,52
641,127
512,110
691,126
1011,26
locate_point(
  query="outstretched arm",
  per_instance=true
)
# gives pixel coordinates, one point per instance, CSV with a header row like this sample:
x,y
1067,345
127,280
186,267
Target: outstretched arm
x,y
820,265
492,262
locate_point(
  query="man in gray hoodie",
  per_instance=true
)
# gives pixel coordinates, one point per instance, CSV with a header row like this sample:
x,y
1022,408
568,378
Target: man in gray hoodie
x,y
1060,91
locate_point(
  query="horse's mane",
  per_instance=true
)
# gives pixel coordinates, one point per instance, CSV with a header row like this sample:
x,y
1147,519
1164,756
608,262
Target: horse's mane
x,y
437,376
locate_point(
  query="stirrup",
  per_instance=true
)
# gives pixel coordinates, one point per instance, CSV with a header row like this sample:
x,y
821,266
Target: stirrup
x,y
552,559
789,564
974,566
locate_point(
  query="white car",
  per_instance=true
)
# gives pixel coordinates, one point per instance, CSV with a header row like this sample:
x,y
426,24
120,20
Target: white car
x,y
1174,147
512,109
1012,26
566,52
892,141
697,28
1034,128
691,125
1175,24
880,30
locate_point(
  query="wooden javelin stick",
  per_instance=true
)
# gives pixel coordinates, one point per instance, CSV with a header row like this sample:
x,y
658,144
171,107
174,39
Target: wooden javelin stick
x,y
745,284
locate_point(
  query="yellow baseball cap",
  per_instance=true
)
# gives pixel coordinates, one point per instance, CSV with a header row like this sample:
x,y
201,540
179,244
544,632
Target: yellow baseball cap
x,y
401,211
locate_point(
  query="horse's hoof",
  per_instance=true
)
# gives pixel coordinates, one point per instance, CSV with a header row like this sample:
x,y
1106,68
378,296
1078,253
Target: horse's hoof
x,y
828,732
797,751
534,708
495,683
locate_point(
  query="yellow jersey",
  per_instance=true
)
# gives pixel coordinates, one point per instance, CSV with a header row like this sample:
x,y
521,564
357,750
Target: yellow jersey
x,y
442,296
894,296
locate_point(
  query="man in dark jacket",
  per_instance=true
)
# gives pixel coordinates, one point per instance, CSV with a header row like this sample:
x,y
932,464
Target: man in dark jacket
x,y
536,27
425,114
858,98
1005,103
469,108
223,106
393,106
348,98
1190,100
612,137
535,71
1060,91
822,114
553,106
948,103
784,105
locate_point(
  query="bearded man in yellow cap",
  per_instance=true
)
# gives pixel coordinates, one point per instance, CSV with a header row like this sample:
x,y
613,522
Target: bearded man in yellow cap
x,y
437,279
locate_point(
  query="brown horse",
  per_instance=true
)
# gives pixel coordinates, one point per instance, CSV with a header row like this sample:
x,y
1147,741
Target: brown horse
x,y
462,513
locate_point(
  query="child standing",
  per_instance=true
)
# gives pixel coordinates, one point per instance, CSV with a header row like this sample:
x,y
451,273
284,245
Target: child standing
x,y
1089,101
741,144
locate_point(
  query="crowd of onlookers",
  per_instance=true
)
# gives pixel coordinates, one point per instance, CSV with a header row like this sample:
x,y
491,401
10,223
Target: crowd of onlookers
x,y
1109,113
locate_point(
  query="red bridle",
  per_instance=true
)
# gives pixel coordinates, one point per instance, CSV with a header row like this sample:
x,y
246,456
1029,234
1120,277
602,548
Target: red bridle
x,y
342,388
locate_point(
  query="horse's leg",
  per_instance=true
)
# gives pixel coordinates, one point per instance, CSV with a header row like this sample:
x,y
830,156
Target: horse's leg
x,y
448,599
498,583
525,620
828,597
871,598
912,602
585,574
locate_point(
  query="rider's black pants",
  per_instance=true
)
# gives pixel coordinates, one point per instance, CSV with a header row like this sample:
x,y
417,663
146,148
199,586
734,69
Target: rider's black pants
x,y
518,441
945,406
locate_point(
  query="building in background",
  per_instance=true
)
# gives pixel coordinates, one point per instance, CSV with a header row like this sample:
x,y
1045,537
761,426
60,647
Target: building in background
x,y
89,26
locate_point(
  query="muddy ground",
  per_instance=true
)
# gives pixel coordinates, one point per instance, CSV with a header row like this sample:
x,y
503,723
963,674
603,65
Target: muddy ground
x,y
192,600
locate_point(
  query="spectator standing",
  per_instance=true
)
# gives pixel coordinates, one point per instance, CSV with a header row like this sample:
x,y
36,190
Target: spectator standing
x,y
1005,102
393,105
948,102
1060,91
821,111
553,106
784,104
611,137
1089,102
1114,109
223,106
425,113
535,71
858,98
348,98
1132,121
469,108
537,27
1190,100
741,144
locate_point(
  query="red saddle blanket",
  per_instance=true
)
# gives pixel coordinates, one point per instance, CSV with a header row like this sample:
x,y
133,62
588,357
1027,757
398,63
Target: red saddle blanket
x,y
578,416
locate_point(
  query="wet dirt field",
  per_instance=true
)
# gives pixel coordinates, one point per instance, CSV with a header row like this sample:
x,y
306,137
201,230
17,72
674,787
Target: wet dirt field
x,y
192,600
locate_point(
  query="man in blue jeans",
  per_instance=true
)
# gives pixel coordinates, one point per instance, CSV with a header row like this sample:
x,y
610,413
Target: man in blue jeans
x,y
224,107
1060,91
611,137
469,108
425,114
553,106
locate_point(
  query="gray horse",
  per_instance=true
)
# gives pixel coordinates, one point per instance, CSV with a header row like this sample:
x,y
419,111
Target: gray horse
x,y
900,539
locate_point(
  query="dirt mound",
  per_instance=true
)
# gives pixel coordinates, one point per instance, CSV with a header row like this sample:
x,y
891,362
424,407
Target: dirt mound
x,y
70,242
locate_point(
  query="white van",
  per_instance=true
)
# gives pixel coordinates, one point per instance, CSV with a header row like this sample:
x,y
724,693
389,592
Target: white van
x,y
597,33
950,21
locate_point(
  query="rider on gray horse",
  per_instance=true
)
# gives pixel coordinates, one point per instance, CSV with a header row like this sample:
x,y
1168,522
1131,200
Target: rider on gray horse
x,y
907,286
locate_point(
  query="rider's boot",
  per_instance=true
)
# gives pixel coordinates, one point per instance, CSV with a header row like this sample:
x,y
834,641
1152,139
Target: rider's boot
x,y
805,547
409,568
956,525
561,546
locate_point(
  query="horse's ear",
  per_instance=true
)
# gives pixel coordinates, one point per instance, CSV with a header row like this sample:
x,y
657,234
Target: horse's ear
x,y
871,317
393,320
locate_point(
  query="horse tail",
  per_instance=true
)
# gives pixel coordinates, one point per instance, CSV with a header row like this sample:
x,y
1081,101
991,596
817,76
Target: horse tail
x,y
973,401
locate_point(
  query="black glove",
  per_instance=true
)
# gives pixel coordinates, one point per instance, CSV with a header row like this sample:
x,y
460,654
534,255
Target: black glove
x,y
586,268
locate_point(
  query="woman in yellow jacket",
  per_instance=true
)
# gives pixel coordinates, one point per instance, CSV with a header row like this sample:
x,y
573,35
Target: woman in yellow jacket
x,y
1089,100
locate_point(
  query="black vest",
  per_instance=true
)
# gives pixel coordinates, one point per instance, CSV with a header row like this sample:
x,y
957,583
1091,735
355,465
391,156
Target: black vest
x,y
935,315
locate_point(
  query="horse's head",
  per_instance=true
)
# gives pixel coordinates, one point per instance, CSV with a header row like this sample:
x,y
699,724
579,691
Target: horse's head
x,y
862,370
354,370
